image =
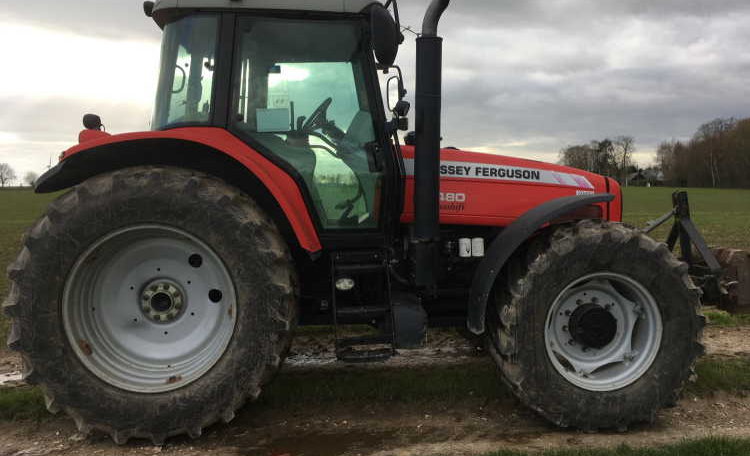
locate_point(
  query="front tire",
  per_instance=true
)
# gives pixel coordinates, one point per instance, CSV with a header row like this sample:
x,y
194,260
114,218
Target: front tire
x,y
152,302
599,327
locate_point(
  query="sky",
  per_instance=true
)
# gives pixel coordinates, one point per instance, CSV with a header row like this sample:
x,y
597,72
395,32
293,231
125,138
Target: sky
x,y
522,77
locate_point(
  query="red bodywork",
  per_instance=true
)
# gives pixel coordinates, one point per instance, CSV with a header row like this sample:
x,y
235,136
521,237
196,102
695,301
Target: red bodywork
x,y
278,182
476,189
494,190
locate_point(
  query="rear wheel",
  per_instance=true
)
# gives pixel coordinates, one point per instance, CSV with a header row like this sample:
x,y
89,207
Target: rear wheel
x,y
152,302
599,329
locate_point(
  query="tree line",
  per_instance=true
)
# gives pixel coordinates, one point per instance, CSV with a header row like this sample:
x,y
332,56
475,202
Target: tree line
x,y
609,157
8,176
717,156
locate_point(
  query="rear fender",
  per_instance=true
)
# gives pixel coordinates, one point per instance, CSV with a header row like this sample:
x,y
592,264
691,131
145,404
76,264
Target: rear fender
x,y
210,150
509,240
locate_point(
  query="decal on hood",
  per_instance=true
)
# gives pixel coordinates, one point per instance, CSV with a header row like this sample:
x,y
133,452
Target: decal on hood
x,y
488,171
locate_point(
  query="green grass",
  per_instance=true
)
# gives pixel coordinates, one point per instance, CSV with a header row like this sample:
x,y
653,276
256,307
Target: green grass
x,y
18,404
705,447
725,319
19,208
722,216
445,385
729,375
451,384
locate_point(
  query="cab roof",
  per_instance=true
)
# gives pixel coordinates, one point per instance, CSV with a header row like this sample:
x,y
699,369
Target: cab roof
x,y
333,6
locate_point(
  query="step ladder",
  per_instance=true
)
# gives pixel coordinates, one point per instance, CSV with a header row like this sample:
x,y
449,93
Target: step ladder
x,y
362,267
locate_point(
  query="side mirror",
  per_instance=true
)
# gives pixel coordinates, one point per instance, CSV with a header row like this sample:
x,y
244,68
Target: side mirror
x,y
398,93
386,36
394,94
396,103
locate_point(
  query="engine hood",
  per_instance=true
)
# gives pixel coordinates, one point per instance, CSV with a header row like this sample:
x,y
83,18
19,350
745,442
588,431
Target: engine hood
x,y
494,190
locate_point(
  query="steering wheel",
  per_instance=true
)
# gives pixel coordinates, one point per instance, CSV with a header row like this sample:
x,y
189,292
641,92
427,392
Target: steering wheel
x,y
319,118
184,80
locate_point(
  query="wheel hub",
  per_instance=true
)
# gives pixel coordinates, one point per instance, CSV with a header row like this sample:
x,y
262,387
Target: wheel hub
x,y
149,308
603,331
162,301
593,326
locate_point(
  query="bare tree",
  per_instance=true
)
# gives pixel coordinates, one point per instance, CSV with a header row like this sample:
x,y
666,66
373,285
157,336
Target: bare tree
x,y
711,136
624,149
716,156
580,156
598,157
604,161
30,178
7,175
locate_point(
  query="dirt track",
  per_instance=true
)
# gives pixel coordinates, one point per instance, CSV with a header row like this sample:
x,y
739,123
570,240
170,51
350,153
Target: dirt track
x,y
474,427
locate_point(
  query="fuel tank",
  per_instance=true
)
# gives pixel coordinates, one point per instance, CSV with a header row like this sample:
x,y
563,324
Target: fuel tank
x,y
494,190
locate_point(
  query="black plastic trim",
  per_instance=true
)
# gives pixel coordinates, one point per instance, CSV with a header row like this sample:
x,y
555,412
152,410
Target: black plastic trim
x,y
224,62
609,204
508,241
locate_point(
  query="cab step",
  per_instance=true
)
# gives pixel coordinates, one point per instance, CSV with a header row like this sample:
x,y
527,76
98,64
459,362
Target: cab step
x,y
361,314
353,306
353,356
378,339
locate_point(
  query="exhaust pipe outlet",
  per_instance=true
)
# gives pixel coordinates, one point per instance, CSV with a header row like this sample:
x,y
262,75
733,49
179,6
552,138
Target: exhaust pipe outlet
x,y
427,154
432,17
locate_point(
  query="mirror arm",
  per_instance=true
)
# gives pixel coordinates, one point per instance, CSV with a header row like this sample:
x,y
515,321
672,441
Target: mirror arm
x,y
397,18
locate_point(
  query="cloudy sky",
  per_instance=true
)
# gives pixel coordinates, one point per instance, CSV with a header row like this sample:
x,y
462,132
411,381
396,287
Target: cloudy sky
x,y
522,77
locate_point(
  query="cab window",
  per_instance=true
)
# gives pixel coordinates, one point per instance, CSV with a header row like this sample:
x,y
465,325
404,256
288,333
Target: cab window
x,y
301,95
186,80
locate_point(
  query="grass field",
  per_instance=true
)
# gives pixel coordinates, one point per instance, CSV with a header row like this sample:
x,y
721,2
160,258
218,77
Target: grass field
x,y
478,383
18,210
723,216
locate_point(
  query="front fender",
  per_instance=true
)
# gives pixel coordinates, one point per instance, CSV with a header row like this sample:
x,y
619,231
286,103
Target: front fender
x,y
508,241
211,150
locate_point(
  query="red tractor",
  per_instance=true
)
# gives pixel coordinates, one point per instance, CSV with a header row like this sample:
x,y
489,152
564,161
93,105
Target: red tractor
x,y
161,292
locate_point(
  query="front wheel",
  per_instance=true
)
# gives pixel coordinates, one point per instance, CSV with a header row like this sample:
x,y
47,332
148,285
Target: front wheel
x,y
599,329
152,302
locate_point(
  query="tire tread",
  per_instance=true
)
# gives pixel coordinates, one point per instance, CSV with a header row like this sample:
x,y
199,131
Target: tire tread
x,y
18,304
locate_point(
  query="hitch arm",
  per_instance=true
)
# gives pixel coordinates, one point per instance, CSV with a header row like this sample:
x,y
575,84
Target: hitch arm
x,y
684,230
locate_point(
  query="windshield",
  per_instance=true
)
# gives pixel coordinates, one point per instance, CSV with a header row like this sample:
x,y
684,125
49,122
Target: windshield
x,y
302,94
186,81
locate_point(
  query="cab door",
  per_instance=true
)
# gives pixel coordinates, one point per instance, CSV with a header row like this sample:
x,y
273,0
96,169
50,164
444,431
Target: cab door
x,y
304,94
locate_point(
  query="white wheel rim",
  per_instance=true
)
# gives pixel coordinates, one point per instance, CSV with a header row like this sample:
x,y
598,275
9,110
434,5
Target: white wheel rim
x,y
149,309
584,316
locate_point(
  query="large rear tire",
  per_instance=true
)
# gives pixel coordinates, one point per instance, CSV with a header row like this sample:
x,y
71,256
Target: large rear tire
x,y
599,327
152,302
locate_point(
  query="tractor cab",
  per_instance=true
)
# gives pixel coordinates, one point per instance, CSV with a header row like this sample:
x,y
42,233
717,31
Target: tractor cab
x,y
300,87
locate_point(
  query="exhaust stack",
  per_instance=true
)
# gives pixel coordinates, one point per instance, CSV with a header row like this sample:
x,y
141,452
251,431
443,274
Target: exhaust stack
x,y
427,154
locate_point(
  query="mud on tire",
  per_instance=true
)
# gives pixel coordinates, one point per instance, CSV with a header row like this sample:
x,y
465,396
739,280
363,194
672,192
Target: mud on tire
x,y
517,324
231,224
